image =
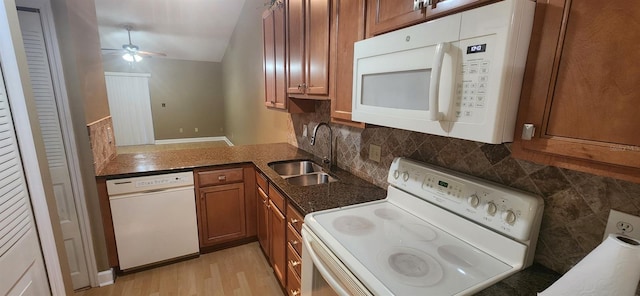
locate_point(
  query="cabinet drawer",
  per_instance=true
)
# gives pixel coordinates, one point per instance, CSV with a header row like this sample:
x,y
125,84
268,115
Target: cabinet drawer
x,y
277,198
293,283
217,177
294,239
294,218
294,261
261,180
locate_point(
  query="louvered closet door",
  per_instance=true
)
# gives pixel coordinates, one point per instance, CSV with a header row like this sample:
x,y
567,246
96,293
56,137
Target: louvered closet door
x,y
21,264
48,117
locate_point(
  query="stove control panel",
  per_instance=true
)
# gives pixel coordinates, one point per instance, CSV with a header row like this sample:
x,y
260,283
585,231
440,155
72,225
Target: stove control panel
x,y
509,211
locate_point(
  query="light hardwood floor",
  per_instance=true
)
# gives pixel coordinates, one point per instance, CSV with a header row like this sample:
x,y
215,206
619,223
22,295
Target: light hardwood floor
x,y
237,271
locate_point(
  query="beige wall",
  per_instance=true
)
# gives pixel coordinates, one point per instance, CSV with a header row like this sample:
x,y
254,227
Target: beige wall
x,y
248,120
77,31
191,91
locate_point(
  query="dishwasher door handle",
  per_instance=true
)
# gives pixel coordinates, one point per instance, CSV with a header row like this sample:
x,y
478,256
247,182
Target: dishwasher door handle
x,y
142,193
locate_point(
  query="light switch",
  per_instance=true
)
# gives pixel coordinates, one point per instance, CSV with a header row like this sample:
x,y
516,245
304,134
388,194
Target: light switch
x,y
374,152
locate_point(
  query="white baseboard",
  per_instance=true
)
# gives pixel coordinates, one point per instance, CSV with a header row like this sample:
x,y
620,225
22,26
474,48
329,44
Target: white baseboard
x,y
105,278
191,140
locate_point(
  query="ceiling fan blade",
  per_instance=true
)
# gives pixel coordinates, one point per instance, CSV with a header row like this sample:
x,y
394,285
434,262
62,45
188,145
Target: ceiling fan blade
x,y
112,51
151,53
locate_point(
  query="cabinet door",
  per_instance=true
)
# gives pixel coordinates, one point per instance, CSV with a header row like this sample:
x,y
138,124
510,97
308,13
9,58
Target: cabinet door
x,y
295,46
580,88
278,225
273,28
389,15
441,8
317,46
263,220
348,24
222,214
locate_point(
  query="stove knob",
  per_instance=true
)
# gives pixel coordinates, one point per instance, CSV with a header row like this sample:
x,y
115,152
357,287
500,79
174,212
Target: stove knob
x,y
474,200
509,217
405,176
396,174
491,208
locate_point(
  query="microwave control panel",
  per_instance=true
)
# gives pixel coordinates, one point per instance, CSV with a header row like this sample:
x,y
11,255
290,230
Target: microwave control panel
x,y
473,81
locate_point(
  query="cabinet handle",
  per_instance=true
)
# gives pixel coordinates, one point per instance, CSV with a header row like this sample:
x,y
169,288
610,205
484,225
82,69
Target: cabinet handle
x,y
294,292
294,263
294,221
294,242
222,178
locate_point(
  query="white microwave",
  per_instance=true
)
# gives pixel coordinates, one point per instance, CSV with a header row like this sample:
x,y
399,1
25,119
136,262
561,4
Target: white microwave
x,y
458,76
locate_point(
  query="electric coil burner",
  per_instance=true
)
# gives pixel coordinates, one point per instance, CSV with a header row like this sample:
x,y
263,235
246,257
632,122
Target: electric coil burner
x,y
437,233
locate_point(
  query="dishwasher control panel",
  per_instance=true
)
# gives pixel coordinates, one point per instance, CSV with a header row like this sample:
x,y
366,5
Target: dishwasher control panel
x,y
147,183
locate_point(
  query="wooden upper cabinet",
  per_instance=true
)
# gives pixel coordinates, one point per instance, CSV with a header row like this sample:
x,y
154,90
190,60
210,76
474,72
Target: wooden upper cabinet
x,y
308,23
347,27
580,88
388,15
273,28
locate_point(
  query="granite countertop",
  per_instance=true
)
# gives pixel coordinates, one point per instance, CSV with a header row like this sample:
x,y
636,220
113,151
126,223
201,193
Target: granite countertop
x,y
349,190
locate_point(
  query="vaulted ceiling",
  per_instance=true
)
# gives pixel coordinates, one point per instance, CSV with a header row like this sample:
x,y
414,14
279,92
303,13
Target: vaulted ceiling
x,y
197,30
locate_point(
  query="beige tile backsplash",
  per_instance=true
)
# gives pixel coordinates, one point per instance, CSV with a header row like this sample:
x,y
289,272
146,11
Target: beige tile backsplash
x,y
576,204
103,142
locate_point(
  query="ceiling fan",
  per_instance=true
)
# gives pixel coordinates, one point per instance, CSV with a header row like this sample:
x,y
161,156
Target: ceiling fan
x,y
131,52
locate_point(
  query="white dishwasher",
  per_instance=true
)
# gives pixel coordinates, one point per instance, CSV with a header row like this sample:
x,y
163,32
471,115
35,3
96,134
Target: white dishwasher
x,y
154,218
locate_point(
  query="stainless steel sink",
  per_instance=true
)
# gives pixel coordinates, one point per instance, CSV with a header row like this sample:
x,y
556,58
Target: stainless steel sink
x,y
295,168
311,179
302,172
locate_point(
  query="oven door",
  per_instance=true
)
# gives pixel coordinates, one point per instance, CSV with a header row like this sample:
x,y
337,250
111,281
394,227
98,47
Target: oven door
x,y
323,273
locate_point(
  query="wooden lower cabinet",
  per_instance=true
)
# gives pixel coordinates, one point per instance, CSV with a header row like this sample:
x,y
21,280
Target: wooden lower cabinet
x,y
223,214
278,246
272,226
294,250
226,210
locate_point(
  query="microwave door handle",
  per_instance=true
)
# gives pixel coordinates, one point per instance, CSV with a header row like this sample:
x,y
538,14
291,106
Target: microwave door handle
x,y
434,86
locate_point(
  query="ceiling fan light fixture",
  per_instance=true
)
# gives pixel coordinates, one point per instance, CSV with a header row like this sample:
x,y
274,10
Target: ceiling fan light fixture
x,y
131,57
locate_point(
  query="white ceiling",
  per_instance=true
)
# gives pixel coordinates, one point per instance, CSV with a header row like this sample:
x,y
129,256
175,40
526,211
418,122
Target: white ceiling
x,y
197,30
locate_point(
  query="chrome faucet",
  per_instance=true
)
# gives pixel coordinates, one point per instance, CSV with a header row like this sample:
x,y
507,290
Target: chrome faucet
x,y
313,142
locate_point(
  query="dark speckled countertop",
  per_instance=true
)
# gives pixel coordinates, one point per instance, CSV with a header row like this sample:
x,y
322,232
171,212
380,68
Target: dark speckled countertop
x,y
349,190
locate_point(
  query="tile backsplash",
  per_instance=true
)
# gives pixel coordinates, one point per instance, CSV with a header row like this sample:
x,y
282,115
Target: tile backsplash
x,y
576,204
103,143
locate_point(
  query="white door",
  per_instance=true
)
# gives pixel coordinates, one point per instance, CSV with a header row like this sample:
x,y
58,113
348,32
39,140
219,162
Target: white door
x,y
130,107
21,265
48,116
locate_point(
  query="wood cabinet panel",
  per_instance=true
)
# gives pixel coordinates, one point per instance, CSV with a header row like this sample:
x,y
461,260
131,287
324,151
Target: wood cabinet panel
x,y
579,86
347,27
263,226
222,212
276,197
388,15
294,260
261,181
295,46
294,218
219,177
293,284
317,47
269,58
294,239
308,26
278,252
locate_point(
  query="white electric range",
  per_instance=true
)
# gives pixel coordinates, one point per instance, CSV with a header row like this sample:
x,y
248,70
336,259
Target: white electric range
x,y
438,232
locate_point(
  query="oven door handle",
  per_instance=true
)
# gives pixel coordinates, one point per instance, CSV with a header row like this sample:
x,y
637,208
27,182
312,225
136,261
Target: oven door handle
x,y
434,86
326,274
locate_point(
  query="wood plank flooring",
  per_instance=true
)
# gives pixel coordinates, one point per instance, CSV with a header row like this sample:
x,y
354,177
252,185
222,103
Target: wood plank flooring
x,y
236,271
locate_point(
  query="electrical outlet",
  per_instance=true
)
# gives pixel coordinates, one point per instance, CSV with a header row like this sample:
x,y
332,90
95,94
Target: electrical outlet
x,y
304,130
180,130
374,153
622,223
196,129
